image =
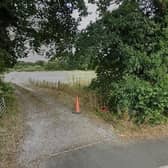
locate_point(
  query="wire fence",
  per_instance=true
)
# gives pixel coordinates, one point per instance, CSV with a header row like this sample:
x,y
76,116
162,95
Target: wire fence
x,y
2,106
92,99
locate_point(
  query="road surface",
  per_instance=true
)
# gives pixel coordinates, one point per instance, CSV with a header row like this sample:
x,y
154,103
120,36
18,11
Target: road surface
x,y
149,154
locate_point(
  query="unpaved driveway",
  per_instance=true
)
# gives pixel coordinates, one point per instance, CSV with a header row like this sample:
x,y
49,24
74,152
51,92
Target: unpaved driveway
x,y
50,129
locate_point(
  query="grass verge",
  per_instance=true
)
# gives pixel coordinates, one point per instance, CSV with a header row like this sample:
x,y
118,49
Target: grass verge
x,y
10,134
127,130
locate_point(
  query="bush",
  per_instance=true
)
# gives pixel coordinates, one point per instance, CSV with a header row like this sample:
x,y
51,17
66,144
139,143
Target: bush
x,y
59,64
40,62
5,90
132,73
28,66
53,66
144,102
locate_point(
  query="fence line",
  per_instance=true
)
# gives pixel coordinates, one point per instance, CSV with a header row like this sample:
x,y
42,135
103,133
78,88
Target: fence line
x,y
94,100
2,106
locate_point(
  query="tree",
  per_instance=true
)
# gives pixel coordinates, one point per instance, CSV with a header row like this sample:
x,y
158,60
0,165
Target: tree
x,y
89,40
157,7
87,44
36,22
132,60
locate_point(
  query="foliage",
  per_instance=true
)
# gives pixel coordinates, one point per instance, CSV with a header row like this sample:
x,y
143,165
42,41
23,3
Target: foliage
x,y
5,89
52,65
34,23
27,66
87,44
144,103
91,40
132,59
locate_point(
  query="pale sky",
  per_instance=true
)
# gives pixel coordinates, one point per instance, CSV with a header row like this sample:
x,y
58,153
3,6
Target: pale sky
x,y
93,16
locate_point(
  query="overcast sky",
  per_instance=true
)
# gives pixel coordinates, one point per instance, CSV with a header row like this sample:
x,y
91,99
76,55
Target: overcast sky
x,y
93,15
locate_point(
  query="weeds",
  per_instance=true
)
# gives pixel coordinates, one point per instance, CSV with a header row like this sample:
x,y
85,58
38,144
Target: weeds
x,y
10,132
91,104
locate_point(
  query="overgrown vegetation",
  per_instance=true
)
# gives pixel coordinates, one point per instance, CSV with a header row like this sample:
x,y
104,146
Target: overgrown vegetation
x,y
53,65
40,66
91,105
10,126
130,46
5,90
10,133
127,47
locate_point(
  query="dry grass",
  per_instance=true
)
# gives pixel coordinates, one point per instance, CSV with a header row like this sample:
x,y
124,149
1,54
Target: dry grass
x,y
66,94
127,130
91,104
10,134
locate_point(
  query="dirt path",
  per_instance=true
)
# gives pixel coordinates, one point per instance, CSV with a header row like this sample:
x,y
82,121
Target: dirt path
x,y
50,129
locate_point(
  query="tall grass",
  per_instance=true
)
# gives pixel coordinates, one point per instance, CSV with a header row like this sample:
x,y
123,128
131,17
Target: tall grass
x,y
10,133
89,99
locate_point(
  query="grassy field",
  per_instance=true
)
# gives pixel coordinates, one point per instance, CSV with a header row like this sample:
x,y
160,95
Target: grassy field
x,y
68,77
44,66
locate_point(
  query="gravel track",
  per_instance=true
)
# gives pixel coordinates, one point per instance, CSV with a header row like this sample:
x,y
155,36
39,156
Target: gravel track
x,y
50,129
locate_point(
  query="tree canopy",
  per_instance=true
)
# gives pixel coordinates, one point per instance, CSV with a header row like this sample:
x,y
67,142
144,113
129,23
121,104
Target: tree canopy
x,y
36,22
131,56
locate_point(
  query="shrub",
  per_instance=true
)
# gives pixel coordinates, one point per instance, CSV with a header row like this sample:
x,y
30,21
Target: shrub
x,y
40,62
132,73
52,66
144,102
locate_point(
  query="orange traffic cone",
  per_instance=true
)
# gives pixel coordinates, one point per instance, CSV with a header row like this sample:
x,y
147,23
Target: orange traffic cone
x,y
77,105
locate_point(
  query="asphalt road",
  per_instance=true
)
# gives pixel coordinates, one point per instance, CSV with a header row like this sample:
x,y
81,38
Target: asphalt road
x,y
149,154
